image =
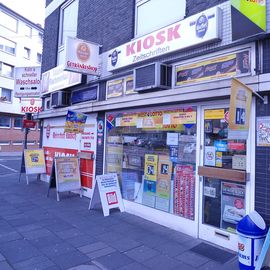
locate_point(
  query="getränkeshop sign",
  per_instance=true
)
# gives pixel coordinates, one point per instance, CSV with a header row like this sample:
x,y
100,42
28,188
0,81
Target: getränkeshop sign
x,y
201,28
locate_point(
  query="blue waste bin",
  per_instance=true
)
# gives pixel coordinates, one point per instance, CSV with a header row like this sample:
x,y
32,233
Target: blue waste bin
x,y
251,231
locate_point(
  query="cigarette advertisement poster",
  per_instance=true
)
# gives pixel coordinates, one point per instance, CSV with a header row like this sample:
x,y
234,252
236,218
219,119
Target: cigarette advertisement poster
x,y
215,68
75,122
239,113
67,174
164,177
232,204
150,167
34,161
114,158
184,191
263,131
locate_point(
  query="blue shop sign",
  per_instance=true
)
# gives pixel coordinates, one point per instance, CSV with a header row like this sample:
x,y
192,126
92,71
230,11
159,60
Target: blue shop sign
x,y
221,146
84,95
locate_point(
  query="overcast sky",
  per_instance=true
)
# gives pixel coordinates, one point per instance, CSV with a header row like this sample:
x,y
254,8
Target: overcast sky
x,y
33,10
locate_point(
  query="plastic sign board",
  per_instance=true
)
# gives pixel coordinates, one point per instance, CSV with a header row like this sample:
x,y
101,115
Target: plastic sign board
x,y
75,122
67,172
249,16
27,81
58,79
34,161
29,123
31,105
107,191
198,29
81,56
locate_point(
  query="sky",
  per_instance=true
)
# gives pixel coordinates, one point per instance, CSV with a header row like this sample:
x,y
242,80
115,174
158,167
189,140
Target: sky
x,y
33,10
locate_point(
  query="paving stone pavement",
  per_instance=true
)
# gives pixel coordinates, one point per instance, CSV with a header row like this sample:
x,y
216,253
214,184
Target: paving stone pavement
x,y
39,233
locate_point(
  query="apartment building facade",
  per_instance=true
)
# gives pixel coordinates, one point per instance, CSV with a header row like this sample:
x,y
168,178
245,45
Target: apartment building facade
x,y
158,111
20,46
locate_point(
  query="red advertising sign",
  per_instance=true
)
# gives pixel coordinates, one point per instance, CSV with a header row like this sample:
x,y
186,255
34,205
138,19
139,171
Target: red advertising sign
x,y
184,191
236,146
29,123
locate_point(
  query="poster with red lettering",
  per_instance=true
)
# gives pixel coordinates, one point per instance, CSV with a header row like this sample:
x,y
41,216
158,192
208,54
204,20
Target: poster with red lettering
x,y
184,191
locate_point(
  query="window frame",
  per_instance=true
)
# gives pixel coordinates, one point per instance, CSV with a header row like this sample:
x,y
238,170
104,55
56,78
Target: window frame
x,y
5,116
1,96
6,46
26,26
7,65
17,127
7,25
28,51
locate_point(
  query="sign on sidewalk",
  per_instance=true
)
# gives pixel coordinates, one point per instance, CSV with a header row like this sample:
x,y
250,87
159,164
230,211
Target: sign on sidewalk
x,y
107,191
65,175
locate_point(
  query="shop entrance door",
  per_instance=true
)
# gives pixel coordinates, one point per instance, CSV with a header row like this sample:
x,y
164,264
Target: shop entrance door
x,y
224,190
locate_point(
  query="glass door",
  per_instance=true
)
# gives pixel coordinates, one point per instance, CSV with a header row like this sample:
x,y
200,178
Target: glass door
x,y
223,182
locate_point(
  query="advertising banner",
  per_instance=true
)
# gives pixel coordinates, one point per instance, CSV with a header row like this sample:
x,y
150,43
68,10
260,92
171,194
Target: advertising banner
x,y
239,113
197,29
58,79
27,81
67,174
81,56
184,191
215,68
34,161
75,122
248,18
232,204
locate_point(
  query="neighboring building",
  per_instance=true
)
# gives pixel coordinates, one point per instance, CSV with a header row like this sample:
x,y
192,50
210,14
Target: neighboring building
x,y
20,46
163,98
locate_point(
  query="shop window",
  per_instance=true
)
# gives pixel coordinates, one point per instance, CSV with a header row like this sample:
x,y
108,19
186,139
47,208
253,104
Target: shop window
x,y
6,70
18,122
40,37
223,200
5,121
8,22
120,87
155,14
154,154
26,53
6,95
7,45
68,25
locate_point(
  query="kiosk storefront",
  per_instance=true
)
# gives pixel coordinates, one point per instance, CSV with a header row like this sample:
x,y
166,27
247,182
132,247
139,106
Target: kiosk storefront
x,y
157,153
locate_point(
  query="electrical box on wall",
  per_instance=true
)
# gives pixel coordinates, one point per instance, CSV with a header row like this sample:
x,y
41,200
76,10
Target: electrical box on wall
x,y
60,99
152,77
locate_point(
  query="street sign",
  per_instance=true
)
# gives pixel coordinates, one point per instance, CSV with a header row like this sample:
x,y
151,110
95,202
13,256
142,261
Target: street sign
x,y
29,123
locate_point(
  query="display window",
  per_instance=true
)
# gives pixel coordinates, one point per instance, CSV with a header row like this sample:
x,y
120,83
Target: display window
x,y
223,200
153,152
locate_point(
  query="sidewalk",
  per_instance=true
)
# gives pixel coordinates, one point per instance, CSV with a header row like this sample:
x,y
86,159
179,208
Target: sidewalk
x,y
37,233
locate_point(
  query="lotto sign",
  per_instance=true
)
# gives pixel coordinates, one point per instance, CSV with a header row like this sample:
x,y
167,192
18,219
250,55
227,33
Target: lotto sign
x,y
107,191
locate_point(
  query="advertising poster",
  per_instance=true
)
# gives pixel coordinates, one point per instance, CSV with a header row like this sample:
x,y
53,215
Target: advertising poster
x,y
214,114
163,183
129,86
215,68
210,156
67,173
219,159
150,167
221,146
263,131
232,204
114,158
27,82
34,161
239,113
75,122
184,191
128,184
115,88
